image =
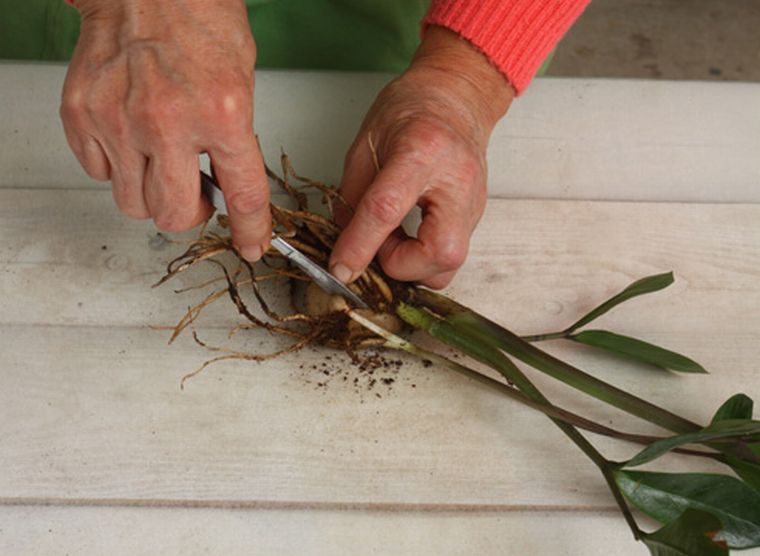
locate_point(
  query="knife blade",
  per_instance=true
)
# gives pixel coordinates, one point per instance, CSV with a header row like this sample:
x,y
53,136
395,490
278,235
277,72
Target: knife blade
x,y
319,275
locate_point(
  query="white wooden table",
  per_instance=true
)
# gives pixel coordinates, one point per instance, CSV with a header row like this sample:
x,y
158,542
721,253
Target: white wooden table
x,y
101,452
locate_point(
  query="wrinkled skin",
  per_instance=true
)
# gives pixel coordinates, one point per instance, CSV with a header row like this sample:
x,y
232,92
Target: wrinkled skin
x,y
430,128
153,84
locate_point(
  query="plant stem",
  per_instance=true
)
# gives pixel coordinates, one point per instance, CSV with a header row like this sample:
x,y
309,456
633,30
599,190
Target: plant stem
x,y
487,353
550,410
544,337
501,338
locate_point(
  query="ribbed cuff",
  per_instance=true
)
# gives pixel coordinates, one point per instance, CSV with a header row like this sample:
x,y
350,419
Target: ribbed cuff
x,y
516,35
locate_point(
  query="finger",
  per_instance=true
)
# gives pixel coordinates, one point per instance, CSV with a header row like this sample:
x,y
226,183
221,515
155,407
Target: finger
x,y
440,247
240,172
172,191
393,193
358,172
84,145
439,282
397,242
94,160
90,155
127,178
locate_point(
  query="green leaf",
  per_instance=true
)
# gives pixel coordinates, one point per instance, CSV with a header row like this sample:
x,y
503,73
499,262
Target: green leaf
x,y
749,472
492,332
731,428
638,350
738,406
640,287
689,535
664,496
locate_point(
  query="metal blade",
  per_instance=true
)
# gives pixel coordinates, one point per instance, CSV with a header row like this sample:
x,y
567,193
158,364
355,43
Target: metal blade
x,y
321,277
213,193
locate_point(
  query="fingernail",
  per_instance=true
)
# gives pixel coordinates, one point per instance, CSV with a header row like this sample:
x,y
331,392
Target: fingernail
x,y
341,272
251,253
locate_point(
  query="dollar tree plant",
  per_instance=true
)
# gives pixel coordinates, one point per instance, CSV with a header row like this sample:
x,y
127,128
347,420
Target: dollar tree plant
x,y
702,514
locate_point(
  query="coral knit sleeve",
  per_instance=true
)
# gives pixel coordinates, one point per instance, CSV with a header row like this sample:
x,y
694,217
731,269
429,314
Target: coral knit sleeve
x,y
516,35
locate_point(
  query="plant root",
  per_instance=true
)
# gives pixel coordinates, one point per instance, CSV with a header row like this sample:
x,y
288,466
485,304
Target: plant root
x,y
311,233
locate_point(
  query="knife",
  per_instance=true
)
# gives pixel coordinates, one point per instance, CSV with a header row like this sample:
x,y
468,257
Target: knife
x,y
321,277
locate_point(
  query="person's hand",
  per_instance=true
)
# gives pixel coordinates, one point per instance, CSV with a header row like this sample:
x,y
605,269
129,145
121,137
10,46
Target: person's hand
x,y
150,86
430,128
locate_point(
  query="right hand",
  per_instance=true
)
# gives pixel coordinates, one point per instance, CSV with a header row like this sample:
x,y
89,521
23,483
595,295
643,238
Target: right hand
x,y
151,85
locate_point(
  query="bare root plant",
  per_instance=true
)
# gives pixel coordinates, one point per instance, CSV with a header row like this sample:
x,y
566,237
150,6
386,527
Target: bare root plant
x,y
696,520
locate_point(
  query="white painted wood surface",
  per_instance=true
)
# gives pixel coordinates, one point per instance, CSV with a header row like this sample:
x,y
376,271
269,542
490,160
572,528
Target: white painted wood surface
x,y
161,531
563,139
102,452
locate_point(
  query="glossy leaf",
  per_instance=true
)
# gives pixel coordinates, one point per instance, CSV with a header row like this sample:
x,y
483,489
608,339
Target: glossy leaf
x,y
745,428
689,535
638,350
664,496
738,406
749,472
649,284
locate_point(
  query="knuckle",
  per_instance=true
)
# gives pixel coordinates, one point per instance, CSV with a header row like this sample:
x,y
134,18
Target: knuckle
x,y
384,206
450,255
72,107
426,140
70,112
248,200
232,106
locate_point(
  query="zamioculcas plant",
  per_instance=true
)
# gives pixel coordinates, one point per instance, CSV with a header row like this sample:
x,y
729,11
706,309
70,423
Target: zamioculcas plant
x,y
702,514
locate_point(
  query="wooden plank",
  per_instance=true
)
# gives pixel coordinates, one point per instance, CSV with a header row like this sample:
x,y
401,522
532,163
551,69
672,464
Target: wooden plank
x,y
102,417
543,259
125,531
565,138
259,457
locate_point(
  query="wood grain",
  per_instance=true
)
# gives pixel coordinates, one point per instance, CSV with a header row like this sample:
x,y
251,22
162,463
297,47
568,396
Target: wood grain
x,y
611,139
102,451
125,531
101,416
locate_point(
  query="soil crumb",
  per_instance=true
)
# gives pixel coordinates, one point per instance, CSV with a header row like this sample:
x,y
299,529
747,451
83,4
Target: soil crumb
x,y
367,372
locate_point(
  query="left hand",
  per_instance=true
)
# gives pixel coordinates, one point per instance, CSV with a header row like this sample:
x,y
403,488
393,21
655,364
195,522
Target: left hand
x,y
430,128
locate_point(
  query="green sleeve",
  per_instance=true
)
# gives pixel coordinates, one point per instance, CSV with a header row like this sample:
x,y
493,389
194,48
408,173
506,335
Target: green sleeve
x,y
37,29
359,35
369,35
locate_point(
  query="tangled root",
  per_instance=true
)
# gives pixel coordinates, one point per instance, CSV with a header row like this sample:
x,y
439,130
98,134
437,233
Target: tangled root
x,y
314,235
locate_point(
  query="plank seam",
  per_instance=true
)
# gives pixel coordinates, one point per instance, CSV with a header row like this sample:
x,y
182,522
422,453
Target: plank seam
x,y
283,505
